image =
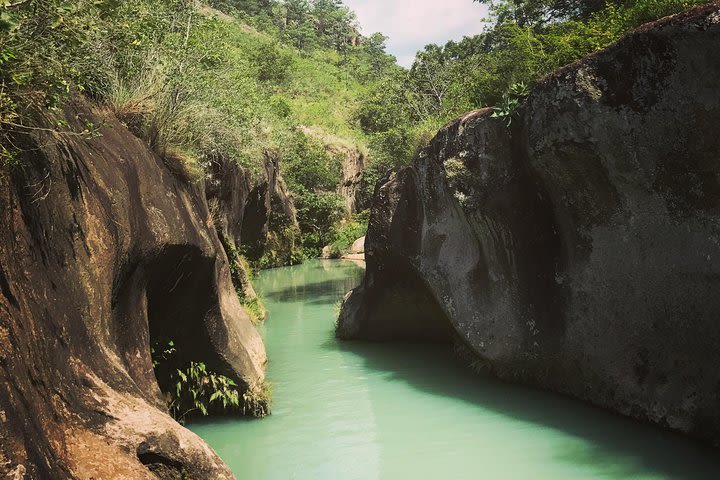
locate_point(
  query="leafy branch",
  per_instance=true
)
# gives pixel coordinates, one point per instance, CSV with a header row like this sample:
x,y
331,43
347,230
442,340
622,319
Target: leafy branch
x,y
512,103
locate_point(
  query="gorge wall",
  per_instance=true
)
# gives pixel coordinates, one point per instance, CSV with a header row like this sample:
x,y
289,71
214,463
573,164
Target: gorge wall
x,y
352,162
103,246
269,227
579,249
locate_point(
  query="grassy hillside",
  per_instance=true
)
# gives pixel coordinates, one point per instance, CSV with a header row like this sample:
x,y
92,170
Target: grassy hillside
x,y
233,79
199,83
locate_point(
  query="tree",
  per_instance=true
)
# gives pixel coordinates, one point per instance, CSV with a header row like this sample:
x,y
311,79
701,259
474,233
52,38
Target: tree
x,y
252,7
335,24
430,78
541,12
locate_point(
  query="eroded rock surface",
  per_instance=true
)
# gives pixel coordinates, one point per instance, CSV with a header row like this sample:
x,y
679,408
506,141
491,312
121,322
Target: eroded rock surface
x,y
100,247
579,251
351,186
270,227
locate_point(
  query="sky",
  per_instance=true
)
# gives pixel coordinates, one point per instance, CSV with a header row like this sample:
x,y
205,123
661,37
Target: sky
x,y
412,24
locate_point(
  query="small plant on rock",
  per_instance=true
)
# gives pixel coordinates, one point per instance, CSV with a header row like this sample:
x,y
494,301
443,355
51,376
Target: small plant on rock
x,y
512,102
197,390
193,389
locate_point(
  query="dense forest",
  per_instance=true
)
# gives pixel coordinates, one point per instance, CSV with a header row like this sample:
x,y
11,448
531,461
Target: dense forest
x,y
235,79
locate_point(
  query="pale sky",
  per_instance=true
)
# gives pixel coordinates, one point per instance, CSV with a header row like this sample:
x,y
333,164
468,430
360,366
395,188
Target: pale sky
x,y
412,24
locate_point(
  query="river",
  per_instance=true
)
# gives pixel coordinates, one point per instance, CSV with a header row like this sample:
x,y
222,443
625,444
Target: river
x,y
353,410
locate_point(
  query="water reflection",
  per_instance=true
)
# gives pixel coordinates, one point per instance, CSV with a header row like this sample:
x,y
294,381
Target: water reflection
x,y
346,410
610,445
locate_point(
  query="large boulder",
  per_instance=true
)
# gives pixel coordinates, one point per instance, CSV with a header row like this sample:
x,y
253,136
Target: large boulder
x,y
578,251
358,245
102,248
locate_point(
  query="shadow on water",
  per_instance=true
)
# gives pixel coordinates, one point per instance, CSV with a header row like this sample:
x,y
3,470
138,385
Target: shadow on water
x,y
617,447
614,446
316,293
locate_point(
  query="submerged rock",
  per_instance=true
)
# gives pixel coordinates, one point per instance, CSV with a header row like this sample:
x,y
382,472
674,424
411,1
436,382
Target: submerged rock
x,y
579,251
102,248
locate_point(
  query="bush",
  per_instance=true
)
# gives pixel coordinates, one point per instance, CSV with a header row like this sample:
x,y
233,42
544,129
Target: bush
x,y
307,166
344,233
191,389
317,213
282,247
242,274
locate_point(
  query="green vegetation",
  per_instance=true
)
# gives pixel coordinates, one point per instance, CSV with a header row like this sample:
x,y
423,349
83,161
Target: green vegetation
x,y
511,103
344,233
241,274
254,308
236,79
526,40
201,81
192,389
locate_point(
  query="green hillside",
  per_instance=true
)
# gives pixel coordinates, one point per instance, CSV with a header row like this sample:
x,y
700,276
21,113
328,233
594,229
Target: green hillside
x,y
235,79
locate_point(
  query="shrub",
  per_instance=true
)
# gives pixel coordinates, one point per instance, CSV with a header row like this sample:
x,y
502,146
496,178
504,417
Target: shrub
x,y
283,246
241,274
192,389
317,213
344,233
512,103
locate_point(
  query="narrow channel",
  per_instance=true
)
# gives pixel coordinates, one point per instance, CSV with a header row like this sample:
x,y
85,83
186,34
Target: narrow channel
x,y
346,410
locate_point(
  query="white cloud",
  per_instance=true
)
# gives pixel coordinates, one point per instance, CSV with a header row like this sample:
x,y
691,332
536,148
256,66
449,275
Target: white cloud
x,y
412,24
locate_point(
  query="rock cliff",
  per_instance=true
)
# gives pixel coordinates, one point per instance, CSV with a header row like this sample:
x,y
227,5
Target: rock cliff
x,y
579,250
102,247
352,162
270,228
351,178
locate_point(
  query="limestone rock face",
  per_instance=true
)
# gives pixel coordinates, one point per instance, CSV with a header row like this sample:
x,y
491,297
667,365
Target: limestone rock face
x,y
101,247
228,191
352,160
578,251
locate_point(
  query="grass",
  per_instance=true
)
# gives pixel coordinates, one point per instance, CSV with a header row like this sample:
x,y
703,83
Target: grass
x,y
256,402
255,309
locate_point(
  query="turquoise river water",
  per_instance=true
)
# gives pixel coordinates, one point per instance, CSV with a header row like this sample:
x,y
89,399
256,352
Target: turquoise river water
x,y
353,410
